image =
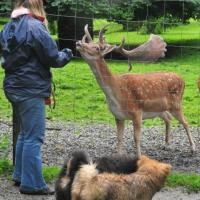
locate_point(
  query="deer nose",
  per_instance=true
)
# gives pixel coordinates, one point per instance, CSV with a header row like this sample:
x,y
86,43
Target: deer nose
x,y
78,45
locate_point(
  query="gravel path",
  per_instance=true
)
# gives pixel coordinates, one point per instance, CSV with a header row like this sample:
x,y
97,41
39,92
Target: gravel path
x,y
100,139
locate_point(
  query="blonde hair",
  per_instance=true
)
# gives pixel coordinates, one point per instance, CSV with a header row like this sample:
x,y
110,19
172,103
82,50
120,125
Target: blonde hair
x,y
35,6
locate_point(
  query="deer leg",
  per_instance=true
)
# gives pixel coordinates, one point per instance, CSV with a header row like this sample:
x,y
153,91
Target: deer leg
x,y
167,119
137,122
180,117
120,133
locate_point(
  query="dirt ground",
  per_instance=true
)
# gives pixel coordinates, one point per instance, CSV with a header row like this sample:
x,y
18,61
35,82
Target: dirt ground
x,y
100,140
10,192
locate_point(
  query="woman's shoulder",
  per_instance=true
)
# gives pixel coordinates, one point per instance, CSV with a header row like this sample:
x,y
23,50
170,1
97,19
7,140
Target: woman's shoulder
x,y
35,26
37,31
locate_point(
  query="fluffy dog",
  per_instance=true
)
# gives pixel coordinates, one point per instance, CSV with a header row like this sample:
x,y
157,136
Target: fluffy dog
x,y
120,164
112,182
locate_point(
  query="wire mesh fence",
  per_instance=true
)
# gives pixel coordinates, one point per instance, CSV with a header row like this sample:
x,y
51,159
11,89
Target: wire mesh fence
x,y
79,98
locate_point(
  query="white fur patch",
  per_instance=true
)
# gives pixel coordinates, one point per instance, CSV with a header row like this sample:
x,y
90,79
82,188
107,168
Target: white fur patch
x,y
64,182
113,104
88,171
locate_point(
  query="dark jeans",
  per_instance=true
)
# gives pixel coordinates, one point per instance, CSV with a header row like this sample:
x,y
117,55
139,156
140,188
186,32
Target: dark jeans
x,y
28,162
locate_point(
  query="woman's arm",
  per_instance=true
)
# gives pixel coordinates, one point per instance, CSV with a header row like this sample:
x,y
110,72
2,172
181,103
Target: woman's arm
x,y
46,48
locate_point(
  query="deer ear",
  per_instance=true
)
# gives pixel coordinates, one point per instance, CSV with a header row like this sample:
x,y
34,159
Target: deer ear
x,y
107,49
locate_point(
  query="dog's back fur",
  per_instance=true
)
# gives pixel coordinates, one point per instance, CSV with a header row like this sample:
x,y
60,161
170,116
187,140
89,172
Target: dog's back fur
x,y
120,164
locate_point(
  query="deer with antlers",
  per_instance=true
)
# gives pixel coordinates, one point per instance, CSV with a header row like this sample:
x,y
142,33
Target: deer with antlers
x,y
134,96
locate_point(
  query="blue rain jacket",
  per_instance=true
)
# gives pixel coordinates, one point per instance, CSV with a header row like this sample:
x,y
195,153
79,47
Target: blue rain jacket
x,y
28,52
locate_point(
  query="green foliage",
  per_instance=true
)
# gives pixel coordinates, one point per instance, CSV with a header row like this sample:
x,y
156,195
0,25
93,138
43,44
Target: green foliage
x,y
53,27
190,181
6,166
4,147
50,173
83,6
128,10
112,28
5,5
4,143
4,20
151,27
158,25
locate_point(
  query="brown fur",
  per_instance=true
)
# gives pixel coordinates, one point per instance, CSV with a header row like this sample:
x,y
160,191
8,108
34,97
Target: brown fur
x,y
141,185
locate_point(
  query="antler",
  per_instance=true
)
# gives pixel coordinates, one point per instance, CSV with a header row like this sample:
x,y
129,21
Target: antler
x,y
87,35
152,50
101,32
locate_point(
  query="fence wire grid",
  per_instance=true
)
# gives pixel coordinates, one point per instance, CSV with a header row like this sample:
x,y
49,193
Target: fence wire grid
x,y
71,89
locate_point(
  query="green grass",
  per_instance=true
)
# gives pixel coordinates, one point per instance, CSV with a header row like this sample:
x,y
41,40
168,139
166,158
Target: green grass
x,y
80,99
189,181
50,173
4,143
6,166
113,26
182,34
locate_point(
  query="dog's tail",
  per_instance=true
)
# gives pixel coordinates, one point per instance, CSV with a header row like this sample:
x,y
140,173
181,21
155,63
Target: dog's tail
x,y
78,158
67,174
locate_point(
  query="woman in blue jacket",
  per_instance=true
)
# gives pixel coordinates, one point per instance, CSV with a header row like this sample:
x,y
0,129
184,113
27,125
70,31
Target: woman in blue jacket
x,y
28,53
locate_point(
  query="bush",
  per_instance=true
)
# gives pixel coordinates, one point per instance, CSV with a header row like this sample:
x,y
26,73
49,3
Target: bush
x,y
152,27
158,25
53,27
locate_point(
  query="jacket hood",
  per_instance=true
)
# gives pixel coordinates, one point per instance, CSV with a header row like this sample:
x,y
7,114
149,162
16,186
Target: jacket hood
x,y
19,11
13,34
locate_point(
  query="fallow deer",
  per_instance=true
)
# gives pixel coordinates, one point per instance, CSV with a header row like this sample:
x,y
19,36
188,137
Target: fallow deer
x,y
134,96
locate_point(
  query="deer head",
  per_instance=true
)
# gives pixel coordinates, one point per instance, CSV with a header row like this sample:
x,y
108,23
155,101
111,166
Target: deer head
x,y
93,50
150,51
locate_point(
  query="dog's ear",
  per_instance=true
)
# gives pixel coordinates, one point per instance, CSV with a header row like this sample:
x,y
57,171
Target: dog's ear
x,y
166,168
147,164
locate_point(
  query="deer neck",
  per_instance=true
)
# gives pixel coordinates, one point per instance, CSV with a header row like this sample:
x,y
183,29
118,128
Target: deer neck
x,y
106,80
